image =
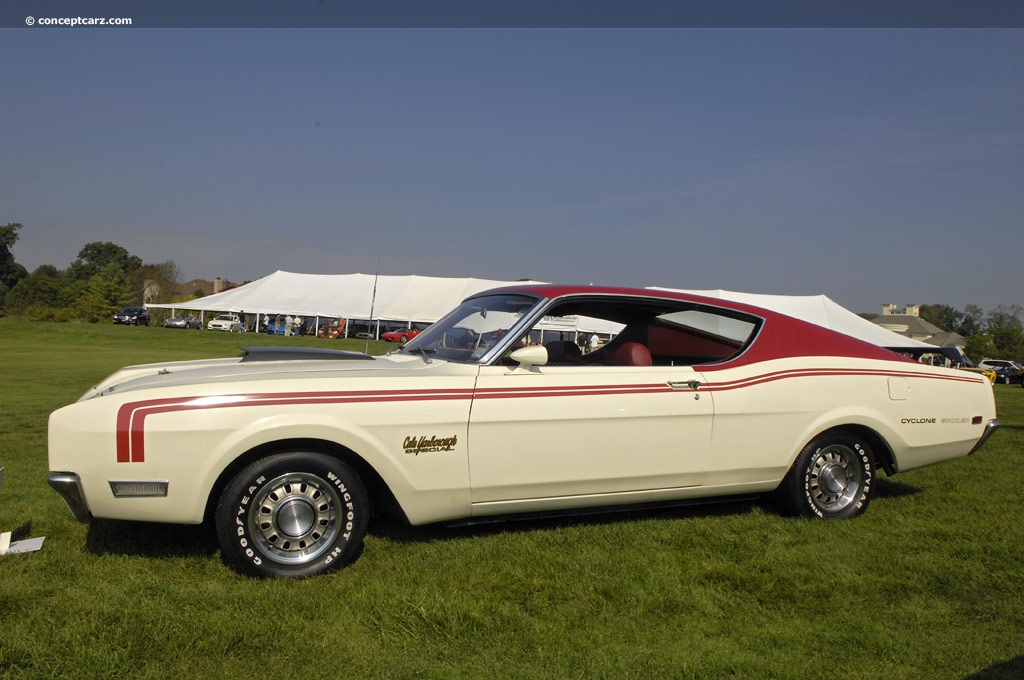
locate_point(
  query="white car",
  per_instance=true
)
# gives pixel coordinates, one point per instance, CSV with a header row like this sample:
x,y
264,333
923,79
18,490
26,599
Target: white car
x,y
225,322
290,450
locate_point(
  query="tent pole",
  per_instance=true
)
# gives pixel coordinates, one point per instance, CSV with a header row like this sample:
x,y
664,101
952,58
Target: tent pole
x,y
373,301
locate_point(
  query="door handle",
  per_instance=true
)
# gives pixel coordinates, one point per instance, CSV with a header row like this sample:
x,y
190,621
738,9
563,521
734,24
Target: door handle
x,y
684,384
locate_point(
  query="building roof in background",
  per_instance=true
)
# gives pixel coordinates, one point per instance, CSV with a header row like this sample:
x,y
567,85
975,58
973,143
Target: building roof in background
x,y
907,324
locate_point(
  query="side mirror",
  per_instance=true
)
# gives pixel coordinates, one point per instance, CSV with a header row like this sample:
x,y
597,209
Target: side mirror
x,y
529,358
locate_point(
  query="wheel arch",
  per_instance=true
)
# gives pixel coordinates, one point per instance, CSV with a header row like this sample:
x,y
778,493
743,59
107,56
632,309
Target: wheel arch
x,y
382,499
880,449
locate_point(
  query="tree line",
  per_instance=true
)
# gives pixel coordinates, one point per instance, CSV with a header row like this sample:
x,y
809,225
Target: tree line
x,y
996,334
105,277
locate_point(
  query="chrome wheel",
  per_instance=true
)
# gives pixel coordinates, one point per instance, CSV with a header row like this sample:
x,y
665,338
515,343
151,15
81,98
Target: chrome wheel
x,y
294,518
834,478
295,514
831,478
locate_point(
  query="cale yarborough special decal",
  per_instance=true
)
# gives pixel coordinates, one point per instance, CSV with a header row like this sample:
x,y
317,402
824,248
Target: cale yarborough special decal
x,y
417,445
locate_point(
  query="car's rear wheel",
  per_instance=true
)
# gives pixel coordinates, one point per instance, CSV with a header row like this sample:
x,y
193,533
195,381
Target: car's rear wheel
x,y
831,478
292,514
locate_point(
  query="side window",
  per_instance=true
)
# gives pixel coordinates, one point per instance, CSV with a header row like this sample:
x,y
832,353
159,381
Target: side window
x,y
699,336
573,339
618,332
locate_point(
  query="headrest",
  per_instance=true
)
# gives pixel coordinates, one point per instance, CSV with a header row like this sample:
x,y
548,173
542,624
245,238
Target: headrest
x,y
630,354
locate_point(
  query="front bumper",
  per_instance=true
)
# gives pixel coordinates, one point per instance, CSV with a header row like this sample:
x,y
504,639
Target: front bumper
x,y
990,429
69,487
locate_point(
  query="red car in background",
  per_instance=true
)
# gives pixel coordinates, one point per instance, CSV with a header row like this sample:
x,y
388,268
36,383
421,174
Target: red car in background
x,y
403,335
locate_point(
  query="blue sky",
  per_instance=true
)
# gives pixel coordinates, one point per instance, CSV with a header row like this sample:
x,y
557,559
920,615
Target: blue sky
x,y
872,165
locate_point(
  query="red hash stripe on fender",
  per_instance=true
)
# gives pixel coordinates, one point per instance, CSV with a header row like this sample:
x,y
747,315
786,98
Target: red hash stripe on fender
x,y
131,417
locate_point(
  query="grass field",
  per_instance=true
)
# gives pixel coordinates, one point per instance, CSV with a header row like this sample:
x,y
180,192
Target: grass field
x,y
928,584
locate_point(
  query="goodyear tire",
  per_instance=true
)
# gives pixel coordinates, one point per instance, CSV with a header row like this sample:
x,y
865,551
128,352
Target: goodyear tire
x,y
293,514
831,478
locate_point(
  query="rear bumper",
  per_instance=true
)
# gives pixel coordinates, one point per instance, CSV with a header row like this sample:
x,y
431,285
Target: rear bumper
x,y
990,429
69,487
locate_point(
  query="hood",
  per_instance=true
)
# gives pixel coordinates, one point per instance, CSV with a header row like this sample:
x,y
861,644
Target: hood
x,y
256,363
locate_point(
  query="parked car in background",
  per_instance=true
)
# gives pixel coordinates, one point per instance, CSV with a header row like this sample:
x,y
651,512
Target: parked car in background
x,y
1007,372
183,321
989,373
292,449
403,335
132,316
225,322
359,329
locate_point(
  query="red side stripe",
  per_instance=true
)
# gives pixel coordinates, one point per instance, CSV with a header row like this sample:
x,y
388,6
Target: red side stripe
x,y
131,416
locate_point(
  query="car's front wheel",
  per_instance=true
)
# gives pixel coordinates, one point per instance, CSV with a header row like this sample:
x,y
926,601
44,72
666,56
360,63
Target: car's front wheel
x,y
831,478
292,514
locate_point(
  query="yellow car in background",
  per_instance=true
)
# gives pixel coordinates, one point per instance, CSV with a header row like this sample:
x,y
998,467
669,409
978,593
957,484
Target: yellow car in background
x,y
987,372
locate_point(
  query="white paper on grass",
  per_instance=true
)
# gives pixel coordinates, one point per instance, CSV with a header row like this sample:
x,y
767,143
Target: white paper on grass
x,y
7,546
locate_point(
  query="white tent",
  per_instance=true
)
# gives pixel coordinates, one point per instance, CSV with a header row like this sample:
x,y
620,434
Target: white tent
x,y
425,299
354,296
817,309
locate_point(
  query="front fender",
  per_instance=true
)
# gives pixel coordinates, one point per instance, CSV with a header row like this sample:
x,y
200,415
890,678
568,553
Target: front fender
x,y
428,487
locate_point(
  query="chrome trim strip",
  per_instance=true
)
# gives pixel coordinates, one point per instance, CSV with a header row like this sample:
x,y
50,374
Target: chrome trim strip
x,y
990,429
69,487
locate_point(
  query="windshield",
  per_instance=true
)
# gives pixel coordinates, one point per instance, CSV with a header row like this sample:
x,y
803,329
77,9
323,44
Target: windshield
x,y
468,331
